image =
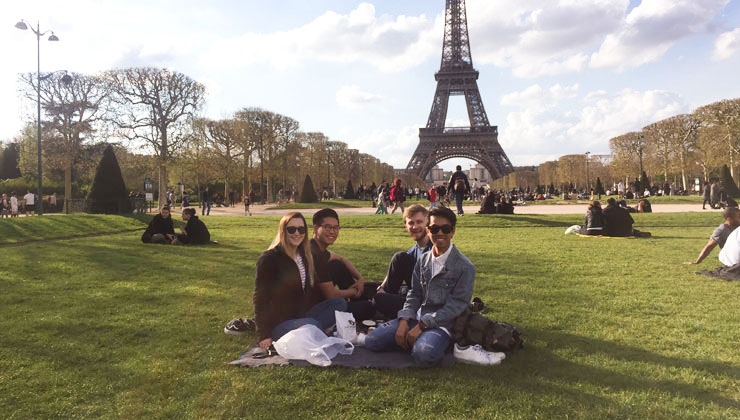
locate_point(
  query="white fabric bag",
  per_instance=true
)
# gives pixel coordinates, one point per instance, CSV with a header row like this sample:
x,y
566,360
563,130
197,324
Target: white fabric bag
x,y
309,343
346,326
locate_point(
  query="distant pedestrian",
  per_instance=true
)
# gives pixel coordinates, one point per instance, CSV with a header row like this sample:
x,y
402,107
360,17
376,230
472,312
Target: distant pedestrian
x,y
459,186
397,195
13,205
29,203
206,203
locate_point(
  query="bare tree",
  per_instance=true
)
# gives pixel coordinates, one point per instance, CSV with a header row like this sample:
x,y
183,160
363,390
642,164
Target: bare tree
x,y
76,105
153,108
224,138
725,117
260,123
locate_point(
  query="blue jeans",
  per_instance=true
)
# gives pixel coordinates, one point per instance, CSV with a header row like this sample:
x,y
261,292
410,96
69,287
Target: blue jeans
x,y
203,209
459,201
320,315
428,350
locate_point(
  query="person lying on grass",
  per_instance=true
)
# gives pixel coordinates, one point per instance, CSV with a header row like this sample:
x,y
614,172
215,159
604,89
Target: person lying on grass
x,y
391,294
195,231
160,229
441,289
720,234
285,288
335,270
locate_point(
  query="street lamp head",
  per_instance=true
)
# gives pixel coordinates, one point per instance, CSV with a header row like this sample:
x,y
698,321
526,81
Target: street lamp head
x,y
53,37
21,25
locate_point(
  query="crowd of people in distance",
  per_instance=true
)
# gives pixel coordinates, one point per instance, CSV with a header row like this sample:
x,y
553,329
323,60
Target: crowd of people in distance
x,y
613,220
301,282
12,206
161,229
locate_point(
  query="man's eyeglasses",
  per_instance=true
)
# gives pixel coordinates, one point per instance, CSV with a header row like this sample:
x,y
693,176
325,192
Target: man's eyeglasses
x,y
331,228
293,229
434,229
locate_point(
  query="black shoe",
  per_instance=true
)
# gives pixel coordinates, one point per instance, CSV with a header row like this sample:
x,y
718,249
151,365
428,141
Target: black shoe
x,y
240,326
478,306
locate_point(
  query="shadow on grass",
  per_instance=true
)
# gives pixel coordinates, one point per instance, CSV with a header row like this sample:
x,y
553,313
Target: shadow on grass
x,y
540,362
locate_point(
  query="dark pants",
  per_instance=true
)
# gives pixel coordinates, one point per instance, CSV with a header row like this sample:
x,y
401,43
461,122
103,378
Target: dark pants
x,y
703,205
459,201
203,208
362,308
399,275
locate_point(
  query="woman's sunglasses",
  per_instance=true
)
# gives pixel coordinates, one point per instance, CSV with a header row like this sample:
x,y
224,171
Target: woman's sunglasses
x,y
293,229
434,229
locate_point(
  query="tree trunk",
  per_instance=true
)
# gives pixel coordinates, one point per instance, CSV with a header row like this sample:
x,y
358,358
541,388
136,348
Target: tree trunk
x,y
162,199
67,184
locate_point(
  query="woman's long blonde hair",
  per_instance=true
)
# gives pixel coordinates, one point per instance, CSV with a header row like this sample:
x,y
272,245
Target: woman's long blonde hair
x,y
304,248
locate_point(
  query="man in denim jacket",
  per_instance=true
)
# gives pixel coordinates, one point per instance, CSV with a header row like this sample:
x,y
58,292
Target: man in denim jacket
x,y
441,289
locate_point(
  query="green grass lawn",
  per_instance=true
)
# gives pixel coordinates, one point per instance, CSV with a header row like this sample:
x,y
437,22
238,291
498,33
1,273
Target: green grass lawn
x,y
107,327
339,204
671,199
23,229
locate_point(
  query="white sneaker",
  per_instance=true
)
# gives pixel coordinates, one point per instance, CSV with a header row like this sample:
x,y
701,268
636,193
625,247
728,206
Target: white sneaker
x,y
476,355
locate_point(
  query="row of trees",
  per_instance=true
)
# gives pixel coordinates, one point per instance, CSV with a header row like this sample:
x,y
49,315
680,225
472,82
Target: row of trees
x,y
157,111
674,150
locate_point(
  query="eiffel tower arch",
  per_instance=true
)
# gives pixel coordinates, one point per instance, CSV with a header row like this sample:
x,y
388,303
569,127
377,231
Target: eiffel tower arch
x,y
456,76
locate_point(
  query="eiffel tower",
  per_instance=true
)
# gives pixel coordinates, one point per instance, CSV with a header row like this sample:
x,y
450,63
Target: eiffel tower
x,y
456,76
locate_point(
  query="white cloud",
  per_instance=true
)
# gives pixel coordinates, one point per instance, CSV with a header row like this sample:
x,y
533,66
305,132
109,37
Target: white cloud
x,y
651,29
394,147
388,44
727,44
536,95
572,124
354,97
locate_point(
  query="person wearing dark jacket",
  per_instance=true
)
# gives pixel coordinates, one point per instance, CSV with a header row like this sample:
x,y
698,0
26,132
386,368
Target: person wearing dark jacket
x,y
504,207
160,229
459,185
618,221
205,202
594,223
195,231
286,283
488,205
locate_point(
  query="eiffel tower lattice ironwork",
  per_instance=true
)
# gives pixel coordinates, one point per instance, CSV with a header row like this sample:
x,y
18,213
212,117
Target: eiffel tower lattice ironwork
x,y
456,76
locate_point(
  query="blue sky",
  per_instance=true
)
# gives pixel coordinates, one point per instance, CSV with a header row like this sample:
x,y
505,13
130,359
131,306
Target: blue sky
x,y
557,76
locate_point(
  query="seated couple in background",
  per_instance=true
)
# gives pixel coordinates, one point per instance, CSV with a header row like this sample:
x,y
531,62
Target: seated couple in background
x,y
161,229
296,276
613,220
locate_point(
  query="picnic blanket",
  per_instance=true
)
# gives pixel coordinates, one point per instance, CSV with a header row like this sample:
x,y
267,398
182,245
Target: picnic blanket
x,y
724,273
361,358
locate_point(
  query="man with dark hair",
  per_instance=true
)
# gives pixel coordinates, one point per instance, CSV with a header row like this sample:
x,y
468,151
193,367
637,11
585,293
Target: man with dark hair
x,y
459,185
504,207
160,229
618,221
720,234
335,270
442,286
391,294
195,231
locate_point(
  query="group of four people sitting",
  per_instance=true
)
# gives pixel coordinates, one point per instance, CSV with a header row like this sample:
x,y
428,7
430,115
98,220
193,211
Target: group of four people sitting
x,y
613,220
300,282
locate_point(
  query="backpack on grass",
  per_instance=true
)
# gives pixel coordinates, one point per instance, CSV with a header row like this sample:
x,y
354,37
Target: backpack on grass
x,y
473,328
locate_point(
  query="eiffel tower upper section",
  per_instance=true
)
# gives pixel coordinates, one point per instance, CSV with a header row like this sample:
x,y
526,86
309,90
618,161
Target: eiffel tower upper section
x,y
457,76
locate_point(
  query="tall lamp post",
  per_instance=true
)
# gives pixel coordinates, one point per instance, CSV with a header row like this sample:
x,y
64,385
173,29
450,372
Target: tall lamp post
x,y
588,180
23,26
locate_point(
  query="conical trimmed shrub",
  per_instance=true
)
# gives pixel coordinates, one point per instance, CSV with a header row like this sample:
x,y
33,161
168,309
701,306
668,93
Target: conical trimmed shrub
x,y
727,183
108,192
349,190
644,183
308,193
599,187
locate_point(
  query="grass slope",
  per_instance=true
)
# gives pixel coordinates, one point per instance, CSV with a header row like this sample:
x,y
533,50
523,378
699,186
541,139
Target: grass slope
x,y
23,229
111,328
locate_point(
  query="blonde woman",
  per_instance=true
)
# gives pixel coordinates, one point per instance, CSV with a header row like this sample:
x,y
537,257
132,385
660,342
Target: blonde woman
x,y
285,286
